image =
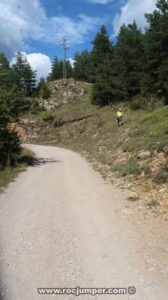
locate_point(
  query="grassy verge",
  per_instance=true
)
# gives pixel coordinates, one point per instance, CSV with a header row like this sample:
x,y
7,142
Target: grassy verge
x,y
141,131
8,175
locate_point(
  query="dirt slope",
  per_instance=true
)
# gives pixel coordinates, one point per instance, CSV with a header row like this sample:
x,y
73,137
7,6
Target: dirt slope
x,y
63,226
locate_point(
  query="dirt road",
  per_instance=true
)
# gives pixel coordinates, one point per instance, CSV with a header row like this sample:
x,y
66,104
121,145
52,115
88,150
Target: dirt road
x,y
63,226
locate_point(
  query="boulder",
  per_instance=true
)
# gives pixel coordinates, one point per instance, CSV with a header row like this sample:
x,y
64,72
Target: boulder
x,y
133,196
143,154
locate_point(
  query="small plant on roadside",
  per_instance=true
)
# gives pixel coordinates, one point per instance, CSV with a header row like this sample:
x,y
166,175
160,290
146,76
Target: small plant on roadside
x,y
162,175
130,167
153,203
47,115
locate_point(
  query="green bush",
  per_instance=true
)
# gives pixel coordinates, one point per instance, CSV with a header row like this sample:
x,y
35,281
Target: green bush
x,y
100,123
153,203
58,122
148,102
47,115
130,167
147,170
160,146
45,92
81,129
162,175
35,107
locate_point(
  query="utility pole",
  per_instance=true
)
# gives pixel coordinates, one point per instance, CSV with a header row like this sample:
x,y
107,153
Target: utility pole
x,y
64,57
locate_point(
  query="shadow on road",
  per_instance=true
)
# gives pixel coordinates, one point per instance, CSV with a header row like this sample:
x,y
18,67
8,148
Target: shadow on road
x,y
44,161
33,161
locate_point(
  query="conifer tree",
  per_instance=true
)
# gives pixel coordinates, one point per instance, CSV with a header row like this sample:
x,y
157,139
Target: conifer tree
x,y
128,62
156,46
101,52
82,66
24,75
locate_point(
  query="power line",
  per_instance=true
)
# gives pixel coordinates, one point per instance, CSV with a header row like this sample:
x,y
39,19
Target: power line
x,y
64,48
64,57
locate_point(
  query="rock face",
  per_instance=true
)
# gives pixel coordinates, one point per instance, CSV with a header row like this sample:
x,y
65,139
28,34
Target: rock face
x,y
144,154
62,92
19,130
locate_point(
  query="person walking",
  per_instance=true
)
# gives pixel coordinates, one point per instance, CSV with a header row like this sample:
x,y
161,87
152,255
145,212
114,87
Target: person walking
x,y
119,117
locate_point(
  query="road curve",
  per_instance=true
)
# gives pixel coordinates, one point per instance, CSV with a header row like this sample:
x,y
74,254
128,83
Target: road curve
x,y
60,228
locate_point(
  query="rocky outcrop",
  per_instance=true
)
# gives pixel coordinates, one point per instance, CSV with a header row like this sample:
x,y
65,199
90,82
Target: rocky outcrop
x,y
133,196
64,91
15,127
144,154
31,128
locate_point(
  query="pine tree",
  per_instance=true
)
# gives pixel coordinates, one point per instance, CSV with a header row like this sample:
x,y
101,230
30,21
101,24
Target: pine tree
x,y
6,78
82,66
24,75
128,62
102,93
69,69
156,46
101,68
101,52
11,105
55,70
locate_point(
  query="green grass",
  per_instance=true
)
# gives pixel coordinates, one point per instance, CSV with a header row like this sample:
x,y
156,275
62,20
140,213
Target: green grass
x,y
130,167
162,175
8,175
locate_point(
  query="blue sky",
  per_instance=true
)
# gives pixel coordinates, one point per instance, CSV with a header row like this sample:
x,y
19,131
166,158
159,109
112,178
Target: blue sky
x,y
36,27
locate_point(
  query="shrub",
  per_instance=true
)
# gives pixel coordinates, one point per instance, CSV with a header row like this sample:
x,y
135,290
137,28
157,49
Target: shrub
x,y
45,92
153,203
81,129
130,167
47,115
58,122
100,123
148,172
160,146
35,107
148,102
162,175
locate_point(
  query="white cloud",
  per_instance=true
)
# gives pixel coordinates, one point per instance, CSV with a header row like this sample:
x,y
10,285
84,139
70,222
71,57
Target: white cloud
x,y
21,21
133,10
39,62
72,61
59,27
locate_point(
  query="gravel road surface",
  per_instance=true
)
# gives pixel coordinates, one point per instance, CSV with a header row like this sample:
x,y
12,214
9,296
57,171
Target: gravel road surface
x,y
63,226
